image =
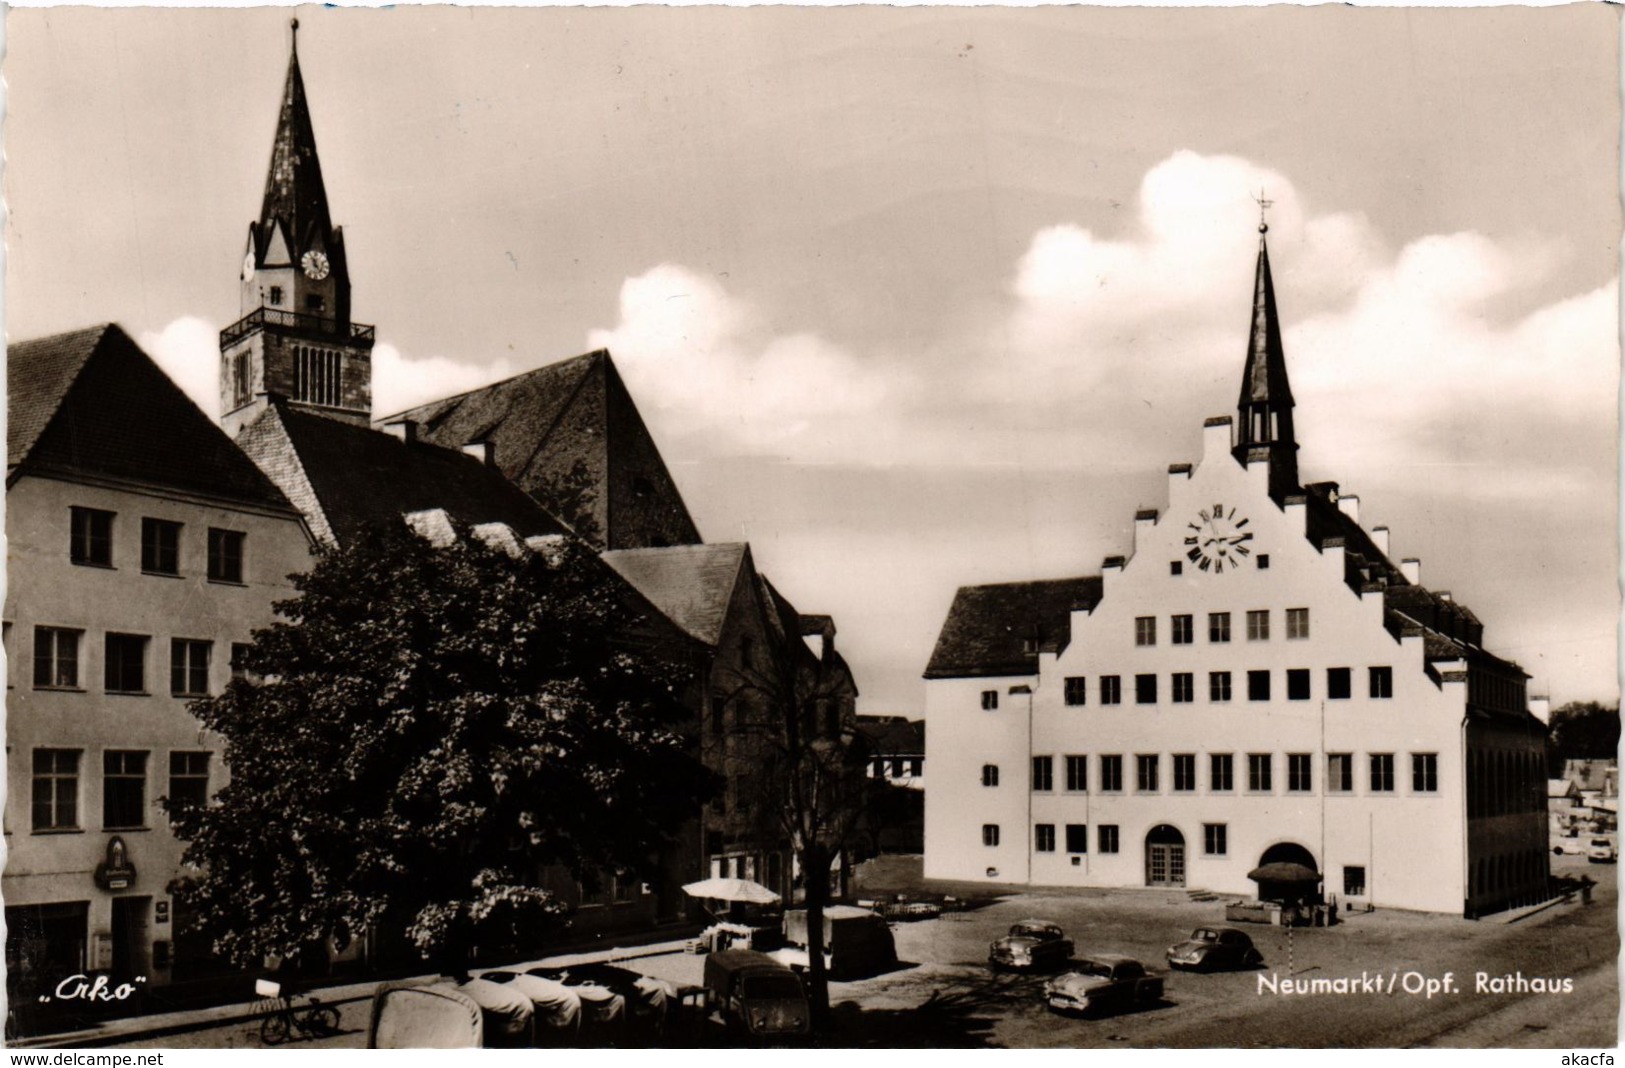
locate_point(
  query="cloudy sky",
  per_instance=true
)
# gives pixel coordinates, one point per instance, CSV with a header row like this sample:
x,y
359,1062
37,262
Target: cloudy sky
x,y
916,298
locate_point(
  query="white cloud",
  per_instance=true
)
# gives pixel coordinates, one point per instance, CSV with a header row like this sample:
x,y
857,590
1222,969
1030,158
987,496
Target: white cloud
x,y
188,350
400,381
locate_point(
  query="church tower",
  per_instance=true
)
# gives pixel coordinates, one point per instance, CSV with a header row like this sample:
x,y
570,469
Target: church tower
x,y
295,341
1264,412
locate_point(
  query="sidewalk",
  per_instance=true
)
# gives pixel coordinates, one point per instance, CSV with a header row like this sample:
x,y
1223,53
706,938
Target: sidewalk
x,y
172,1023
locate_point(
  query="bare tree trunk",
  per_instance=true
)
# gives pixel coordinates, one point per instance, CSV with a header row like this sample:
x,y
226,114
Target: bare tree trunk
x,y
815,865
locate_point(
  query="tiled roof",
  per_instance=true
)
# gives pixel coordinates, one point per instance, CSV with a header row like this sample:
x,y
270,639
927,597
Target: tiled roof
x,y
998,630
92,403
890,736
362,476
545,423
692,585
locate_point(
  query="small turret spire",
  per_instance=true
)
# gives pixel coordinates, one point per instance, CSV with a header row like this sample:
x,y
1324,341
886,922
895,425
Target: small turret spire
x,y
1264,410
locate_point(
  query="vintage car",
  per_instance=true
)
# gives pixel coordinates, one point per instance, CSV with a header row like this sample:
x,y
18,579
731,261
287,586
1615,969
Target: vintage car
x,y
756,995
1105,982
1601,851
1212,948
1031,944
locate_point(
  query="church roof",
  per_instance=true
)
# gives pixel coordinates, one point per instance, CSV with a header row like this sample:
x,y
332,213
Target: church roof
x,y
359,476
692,585
90,402
1263,379
294,193
571,419
998,630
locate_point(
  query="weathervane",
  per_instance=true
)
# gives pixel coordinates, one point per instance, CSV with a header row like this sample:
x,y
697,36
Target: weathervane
x,y
1263,206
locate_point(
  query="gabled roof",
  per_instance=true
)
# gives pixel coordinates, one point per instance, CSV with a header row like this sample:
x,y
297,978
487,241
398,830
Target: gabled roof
x,y
999,630
575,416
360,476
692,585
893,736
91,403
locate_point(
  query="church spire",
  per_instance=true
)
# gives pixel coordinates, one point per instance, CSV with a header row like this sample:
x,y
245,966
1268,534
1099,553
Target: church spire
x,y
1264,411
295,197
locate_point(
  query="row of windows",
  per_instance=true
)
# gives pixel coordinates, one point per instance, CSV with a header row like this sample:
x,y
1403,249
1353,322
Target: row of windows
x,y
90,543
1220,688
1108,839
1380,776
1183,627
900,766
124,662
318,376
124,787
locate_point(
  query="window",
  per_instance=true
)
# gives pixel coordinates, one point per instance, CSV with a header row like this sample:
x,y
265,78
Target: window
x,y
1258,625
314,302
1107,835
1176,567
990,700
189,667
188,780
317,375
1382,772
1424,773
897,765
1218,626
1218,686
1221,772
1184,687
1075,691
1044,837
1184,771
1145,689
1337,684
1299,775
125,664
990,834
1077,838
160,547
1339,772
1263,561
1214,843
1382,682
241,383
1184,630
124,789
56,789
91,538
1353,881
1111,690
1145,630
225,555
1077,774
719,713
56,658
916,766
1297,684
1145,772
276,294
990,775
1258,772
1297,623
1258,685
1111,774
1043,773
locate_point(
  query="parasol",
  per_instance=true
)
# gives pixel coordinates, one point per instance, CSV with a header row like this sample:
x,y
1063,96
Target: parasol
x,y
721,889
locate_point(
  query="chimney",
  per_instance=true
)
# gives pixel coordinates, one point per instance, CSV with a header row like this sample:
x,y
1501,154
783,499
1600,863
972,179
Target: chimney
x,y
1349,505
1379,538
483,451
404,429
1411,568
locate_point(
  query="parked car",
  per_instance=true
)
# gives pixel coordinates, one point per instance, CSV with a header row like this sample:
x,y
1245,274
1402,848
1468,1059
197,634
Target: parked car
x,y
1571,846
1106,982
1031,944
1602,851
756,995
1212,948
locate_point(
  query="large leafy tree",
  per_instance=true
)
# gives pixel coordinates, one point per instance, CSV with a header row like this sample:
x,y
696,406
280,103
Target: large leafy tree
x,y
425,729
1582,730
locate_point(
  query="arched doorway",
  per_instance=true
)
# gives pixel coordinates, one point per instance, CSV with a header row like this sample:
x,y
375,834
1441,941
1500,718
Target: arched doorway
x,y
1164,856
1288,853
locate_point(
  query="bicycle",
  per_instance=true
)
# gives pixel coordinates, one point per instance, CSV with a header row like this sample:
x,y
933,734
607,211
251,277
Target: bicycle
x,y
281,1018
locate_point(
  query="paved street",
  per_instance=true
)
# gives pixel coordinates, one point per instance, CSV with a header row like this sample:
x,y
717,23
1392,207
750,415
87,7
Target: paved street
x,y
945,995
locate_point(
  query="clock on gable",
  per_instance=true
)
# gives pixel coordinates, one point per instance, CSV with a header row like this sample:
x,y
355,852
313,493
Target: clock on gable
x,y
1218,539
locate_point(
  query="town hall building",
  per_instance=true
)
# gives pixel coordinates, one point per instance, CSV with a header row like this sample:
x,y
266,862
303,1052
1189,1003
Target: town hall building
x,y
1256,682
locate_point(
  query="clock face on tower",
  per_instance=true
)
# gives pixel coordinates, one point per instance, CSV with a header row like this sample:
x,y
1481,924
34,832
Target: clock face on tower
x,y
1218,540
315,265
248,267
